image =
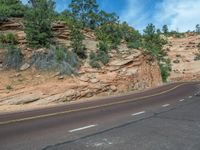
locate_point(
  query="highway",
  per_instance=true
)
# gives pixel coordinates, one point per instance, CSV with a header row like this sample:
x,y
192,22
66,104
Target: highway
x,y
166,117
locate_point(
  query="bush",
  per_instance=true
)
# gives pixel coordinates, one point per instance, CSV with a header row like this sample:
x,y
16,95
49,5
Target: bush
x,y
13,58
134,45
103,47
197,57
103,57
77,41
11,8
95,64
110,34
37,22
56,59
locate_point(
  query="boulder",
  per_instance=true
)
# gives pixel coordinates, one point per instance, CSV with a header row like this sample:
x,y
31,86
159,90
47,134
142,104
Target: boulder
x,y
25,67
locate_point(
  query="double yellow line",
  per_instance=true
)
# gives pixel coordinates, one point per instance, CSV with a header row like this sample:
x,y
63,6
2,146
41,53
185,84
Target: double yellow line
x,y
86,108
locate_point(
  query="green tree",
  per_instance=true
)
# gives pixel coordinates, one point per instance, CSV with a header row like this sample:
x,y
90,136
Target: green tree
x,y
153,45
106,18
37,22
85,11
77,38
198,29
11,8
165,29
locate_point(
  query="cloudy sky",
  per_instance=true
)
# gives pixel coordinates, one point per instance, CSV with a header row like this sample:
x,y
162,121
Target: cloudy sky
x,y
181,15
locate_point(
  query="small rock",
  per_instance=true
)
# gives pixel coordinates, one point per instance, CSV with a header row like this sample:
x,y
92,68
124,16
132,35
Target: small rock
x,y
57,74
17,74
94,80
60,78
1,65
25,67
113,88
84,79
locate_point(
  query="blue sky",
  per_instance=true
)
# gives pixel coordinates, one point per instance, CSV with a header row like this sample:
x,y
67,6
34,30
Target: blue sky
x,y
181,15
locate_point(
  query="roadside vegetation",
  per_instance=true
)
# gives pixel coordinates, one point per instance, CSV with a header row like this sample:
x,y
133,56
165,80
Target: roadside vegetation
x,y
39,16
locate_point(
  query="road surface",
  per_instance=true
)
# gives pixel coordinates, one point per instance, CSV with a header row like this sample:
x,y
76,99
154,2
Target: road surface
x,y
166,118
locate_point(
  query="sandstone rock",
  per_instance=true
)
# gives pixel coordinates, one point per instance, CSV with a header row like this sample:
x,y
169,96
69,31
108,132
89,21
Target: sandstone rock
x,y
120,62
94,80
25,67
113,88
84,79
60,77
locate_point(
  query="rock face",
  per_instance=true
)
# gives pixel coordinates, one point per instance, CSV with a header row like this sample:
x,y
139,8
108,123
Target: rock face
x,y
182,52
128,70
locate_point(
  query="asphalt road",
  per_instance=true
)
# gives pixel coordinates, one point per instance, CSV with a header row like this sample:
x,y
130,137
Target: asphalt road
x,y
164,118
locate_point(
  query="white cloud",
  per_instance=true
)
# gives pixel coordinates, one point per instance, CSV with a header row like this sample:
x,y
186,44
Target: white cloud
x,y
179,14
134,14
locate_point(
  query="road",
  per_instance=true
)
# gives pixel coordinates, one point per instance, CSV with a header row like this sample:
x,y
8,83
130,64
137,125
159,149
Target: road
x,y
166,117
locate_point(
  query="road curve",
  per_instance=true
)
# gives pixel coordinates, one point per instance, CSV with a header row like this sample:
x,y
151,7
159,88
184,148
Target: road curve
x,y
36,129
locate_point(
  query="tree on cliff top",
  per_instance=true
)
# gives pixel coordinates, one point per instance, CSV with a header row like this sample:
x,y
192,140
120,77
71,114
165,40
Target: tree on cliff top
x,y
37,22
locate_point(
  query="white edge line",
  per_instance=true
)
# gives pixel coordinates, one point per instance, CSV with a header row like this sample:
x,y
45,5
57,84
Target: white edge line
x,y
83,128
166,105
138,113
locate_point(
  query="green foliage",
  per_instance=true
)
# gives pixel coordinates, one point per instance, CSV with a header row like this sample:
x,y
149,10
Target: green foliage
x,y
165,29
85,11
57,59
13,58
153,45
37,22
134,44
11,8
8,38
198,29
197,57
110,34
165,69
9,87
77,41
107,18
100,56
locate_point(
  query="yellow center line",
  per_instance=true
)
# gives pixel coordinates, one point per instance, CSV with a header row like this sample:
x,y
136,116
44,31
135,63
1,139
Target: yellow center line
x,y
86,108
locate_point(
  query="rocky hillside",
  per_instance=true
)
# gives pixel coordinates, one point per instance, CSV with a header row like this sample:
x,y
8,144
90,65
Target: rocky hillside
x,y
182,52
128,70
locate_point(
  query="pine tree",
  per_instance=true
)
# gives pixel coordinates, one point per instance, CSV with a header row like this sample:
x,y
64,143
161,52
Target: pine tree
x,y
165,29
77,38
37,22
85,11
198,29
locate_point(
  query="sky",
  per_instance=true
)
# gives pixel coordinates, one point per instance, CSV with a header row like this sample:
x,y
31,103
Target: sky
x,y
179,15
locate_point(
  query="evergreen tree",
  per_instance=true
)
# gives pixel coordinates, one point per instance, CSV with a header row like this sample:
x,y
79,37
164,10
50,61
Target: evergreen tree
x,y
77,38
11,8
165,29
37,22
153,45
198,29
85,11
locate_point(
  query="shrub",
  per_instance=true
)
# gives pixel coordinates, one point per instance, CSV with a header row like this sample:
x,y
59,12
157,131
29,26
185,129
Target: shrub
x,y
37,22
103,57
56,59
13,58
103,47
9,87
77,41
110,34
11,8
95,64
134,45
197,57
